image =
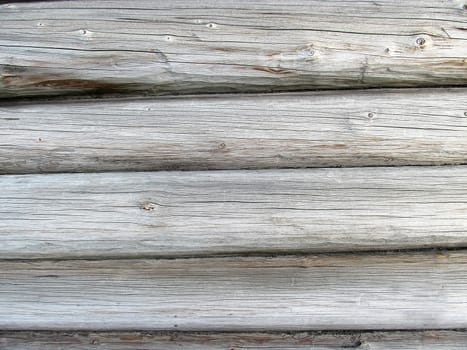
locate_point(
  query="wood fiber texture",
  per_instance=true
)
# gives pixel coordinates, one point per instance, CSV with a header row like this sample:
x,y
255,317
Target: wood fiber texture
x,y
348,128
158,214
407,340
350,291
159,47
102,247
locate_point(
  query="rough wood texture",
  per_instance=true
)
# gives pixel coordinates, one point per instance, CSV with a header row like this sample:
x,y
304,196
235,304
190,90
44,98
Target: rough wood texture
x,y
61,47
433,340
361,128
226,212
383,291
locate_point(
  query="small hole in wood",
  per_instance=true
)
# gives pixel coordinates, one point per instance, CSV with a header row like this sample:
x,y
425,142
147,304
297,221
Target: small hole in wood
x,y
370,115
420,41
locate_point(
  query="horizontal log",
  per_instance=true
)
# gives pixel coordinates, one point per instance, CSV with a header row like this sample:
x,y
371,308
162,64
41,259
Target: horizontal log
x,y
156,47
415,340
363,128
357,292
231,212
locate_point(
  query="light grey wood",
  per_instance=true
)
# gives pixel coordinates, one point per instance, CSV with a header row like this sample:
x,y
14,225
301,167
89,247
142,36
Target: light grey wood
x,y
433,340
229,212
389,127
59,47
382,291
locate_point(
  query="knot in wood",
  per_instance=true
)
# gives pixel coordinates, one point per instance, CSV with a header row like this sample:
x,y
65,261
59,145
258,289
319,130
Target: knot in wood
x,y
148,206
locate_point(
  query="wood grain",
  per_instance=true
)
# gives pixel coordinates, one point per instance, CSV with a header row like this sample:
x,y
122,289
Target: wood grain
x,y
231,212
433,340
156,47
348,128
363,291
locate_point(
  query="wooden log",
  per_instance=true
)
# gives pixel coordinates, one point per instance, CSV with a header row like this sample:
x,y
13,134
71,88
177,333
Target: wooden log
x,y
363,128
231,212
415,340
156,47
355,292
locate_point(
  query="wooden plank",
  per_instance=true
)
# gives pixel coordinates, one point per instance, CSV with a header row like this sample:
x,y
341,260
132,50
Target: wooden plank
x,y
433,340
363,128
156,47
353,291
231,212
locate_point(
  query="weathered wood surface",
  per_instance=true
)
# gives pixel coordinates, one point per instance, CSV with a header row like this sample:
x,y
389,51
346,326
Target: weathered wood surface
x,y
60,47
356,128
416,340
228,212
361,291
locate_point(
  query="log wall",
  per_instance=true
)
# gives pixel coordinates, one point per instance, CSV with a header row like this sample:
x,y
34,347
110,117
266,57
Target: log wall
x,y
233,174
